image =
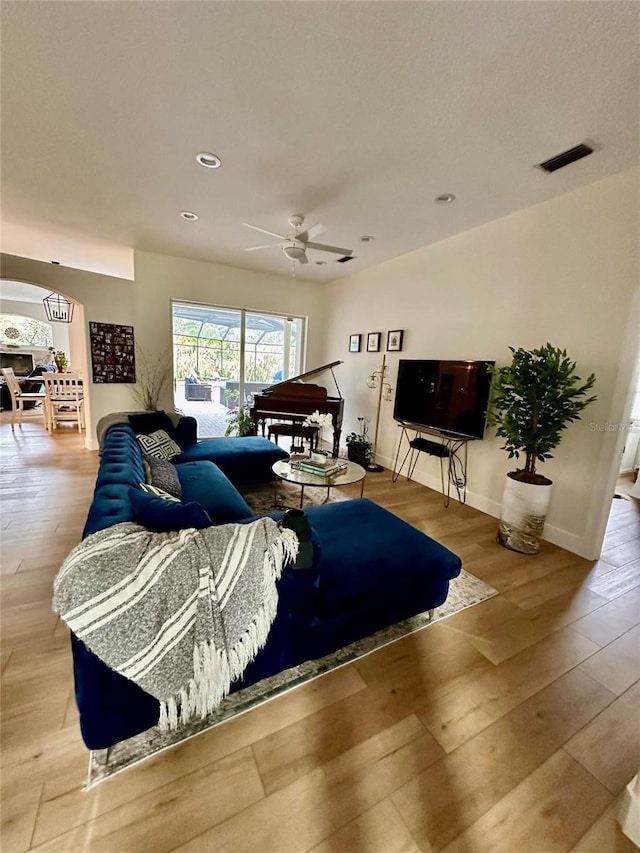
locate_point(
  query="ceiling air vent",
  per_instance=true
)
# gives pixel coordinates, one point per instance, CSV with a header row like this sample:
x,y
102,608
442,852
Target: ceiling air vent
x,y
345,259
570,156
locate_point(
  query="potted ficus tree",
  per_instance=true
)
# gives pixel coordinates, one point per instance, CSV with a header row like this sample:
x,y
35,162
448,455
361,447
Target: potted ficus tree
x,y
533,400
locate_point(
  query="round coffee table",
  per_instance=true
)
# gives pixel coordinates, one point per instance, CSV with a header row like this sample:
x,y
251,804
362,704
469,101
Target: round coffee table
x,y
353,473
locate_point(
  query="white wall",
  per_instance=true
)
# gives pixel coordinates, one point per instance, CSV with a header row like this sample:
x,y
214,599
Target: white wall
x,y
631,456
145,303
566,272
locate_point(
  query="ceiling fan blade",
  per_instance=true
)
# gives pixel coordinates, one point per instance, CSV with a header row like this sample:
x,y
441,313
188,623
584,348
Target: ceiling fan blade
x,y
322,248
303,259
264,231
269,246
310,233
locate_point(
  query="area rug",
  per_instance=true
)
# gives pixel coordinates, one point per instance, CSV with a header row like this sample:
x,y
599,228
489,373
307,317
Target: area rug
x,y
260,497
464,591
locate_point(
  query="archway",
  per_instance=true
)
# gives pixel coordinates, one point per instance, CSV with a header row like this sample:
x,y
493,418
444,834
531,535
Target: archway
x,y
24,299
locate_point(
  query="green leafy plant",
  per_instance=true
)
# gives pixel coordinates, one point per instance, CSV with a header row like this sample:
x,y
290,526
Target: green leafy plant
x,y
533,400
359,448
241,422
60,359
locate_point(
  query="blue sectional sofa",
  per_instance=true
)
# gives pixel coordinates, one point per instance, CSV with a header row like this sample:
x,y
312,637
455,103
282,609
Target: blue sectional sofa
x,y
370,569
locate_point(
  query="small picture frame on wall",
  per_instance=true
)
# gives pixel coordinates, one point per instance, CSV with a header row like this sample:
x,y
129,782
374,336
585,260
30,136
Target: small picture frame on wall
x,y
394,340
373,342
354,343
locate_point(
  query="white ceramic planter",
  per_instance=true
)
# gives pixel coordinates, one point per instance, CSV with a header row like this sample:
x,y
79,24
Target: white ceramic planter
x,y
524,509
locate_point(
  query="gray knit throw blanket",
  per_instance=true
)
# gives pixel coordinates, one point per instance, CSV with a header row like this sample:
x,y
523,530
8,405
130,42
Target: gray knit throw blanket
x,y
182,613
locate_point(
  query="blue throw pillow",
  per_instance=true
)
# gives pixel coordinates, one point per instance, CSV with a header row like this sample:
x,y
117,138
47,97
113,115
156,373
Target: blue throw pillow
x,y
184,433
162,515
148,422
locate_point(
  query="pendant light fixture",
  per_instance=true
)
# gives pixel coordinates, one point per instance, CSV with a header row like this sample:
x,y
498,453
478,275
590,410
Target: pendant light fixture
x,y
57,308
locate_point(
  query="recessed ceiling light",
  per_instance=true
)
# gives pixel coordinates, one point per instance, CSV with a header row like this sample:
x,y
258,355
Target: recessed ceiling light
x,y
367,239
444,198
188,215
210,161
321,263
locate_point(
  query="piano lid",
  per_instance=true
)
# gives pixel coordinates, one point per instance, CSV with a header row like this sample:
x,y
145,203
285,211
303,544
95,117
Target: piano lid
x,y
302,376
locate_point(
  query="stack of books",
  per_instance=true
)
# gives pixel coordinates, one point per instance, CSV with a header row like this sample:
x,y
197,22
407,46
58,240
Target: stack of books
x,y
331,468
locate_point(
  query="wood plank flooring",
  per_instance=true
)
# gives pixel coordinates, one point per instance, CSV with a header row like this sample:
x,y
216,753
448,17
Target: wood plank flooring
x,y
512,726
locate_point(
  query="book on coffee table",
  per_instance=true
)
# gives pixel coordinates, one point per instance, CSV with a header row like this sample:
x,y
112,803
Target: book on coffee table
x,y
321,470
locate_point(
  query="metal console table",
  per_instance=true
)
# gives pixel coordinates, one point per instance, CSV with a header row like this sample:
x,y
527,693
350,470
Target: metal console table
x,y
451,448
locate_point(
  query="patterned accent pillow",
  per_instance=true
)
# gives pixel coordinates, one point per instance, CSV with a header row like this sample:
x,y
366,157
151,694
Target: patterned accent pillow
x,y
165,476
159,445
158,493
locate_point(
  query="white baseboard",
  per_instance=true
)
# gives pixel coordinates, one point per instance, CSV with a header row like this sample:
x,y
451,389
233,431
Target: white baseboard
x,y
566,540
479,502
555,535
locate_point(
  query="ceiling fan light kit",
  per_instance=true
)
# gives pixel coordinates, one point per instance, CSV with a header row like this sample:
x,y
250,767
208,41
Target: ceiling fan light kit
x,y
296,242
295,250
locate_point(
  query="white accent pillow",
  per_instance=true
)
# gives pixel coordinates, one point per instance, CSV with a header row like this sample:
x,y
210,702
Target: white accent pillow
x,y
159,444
159,493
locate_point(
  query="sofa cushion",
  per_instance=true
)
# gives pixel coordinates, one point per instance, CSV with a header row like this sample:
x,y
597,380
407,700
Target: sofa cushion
x,y
159,444
161,515
164,475
205,483
355,571
244,460
111,505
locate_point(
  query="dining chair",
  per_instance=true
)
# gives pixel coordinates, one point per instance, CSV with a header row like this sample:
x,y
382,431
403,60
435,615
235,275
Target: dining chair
x,y
64,399
19,397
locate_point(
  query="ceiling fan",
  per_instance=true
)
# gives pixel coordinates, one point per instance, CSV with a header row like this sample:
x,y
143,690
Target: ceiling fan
x,y
298,240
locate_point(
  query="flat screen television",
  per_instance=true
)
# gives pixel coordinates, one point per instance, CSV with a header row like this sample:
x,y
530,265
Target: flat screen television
x,y
447,397
21,362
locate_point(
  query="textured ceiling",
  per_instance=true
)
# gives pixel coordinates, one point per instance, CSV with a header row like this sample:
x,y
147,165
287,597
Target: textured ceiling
x,y
354,114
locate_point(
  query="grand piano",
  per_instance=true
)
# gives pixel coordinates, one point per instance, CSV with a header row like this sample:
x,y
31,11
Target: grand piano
x,y
294,399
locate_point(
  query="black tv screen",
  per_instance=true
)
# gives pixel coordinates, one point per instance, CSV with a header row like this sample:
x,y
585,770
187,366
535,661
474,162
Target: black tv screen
x,y
443,396
21,363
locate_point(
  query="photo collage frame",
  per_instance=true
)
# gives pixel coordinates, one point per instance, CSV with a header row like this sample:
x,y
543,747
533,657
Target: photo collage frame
x,y
113,357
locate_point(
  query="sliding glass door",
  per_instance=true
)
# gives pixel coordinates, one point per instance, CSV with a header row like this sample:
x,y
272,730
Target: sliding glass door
x,y
271,350
223,356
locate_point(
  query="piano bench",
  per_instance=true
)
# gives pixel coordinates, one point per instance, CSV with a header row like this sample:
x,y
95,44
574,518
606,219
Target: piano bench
x,y
310,433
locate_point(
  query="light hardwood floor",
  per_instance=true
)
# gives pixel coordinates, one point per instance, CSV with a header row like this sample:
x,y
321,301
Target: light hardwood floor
x,y
512,726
